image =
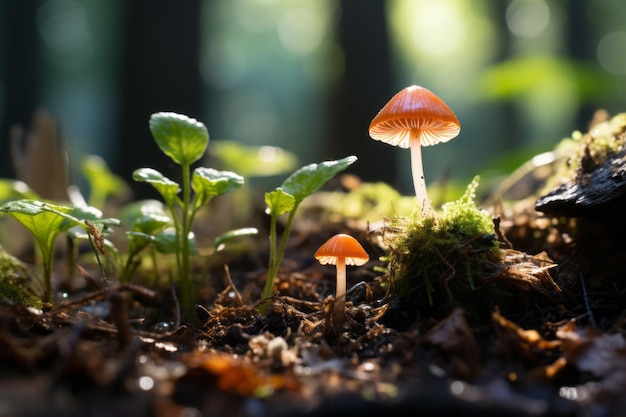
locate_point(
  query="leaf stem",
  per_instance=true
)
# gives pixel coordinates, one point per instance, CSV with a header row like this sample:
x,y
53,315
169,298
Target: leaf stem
x,y
276,256
46,258
273,248
186,290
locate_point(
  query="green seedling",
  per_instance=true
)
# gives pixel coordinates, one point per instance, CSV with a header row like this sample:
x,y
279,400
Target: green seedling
x,y
220,242
150,229
185,140
14,189
147,220
10,190
285,200
46,221
102,182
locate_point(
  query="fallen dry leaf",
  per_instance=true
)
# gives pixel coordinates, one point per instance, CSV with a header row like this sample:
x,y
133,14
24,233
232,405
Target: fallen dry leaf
x,y
231,373
456,342
602,355
527,345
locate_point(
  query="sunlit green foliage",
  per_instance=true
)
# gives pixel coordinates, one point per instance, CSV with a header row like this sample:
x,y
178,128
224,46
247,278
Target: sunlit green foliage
x,y
102,182
523,76
45,221
184,140
145,220
253,161
14,190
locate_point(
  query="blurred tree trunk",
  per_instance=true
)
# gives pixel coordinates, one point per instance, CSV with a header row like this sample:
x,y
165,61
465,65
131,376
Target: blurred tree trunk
x,y
580,48
508,118
21,66
364,88
160,72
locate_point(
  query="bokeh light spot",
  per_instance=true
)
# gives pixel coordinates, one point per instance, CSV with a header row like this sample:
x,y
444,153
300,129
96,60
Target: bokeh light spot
x,y
63,26
224,65
438,28
527,18
146,383
610,52
301,30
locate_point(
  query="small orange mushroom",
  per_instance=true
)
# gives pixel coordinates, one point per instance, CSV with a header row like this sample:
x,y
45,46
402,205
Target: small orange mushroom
x,y
341,250
413,118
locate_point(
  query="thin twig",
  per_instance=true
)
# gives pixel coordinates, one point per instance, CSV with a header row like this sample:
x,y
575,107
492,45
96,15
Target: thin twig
x,y
500,235
232,285
175,298
586,299
87,276
451,274
101,294
119,316
96,240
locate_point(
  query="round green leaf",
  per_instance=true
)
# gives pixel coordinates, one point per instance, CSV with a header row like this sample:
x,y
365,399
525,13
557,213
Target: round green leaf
x,y
14,189
180,137
146,216
312,177
165,186
102,182
279,202
209,182
165,242
221,240
138,240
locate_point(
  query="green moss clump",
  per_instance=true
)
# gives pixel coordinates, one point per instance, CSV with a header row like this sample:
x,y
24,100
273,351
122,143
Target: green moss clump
x,y
586,151
16,283
438,262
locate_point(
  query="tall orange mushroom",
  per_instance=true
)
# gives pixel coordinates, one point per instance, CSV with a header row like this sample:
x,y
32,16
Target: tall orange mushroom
x,y
341,250
413,118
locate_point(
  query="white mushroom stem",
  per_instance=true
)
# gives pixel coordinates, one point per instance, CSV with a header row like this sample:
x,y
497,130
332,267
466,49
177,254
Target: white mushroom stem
x,y
340,294
418,175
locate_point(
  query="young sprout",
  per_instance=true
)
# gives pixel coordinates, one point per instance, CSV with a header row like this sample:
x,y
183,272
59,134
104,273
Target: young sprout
x,y
413,118
341,250
46,221
286,199
184,140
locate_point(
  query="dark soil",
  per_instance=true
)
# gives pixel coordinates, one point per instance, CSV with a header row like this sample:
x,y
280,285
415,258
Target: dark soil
x,y
546,340
118,350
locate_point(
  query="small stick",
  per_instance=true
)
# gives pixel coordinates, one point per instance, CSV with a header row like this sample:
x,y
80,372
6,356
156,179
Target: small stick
x,y
119,316
91,280
100,294
586,299
232,285
176,302
96,240
501,237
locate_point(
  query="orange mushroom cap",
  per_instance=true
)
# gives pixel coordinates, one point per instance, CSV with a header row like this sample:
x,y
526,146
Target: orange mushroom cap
x,y
414,108
342,246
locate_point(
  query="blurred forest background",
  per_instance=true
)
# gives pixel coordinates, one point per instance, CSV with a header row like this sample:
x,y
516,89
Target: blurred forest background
x,y
309,75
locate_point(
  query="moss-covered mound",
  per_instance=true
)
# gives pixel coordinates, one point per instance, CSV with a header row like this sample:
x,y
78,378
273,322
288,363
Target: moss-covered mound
x,y
455,259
